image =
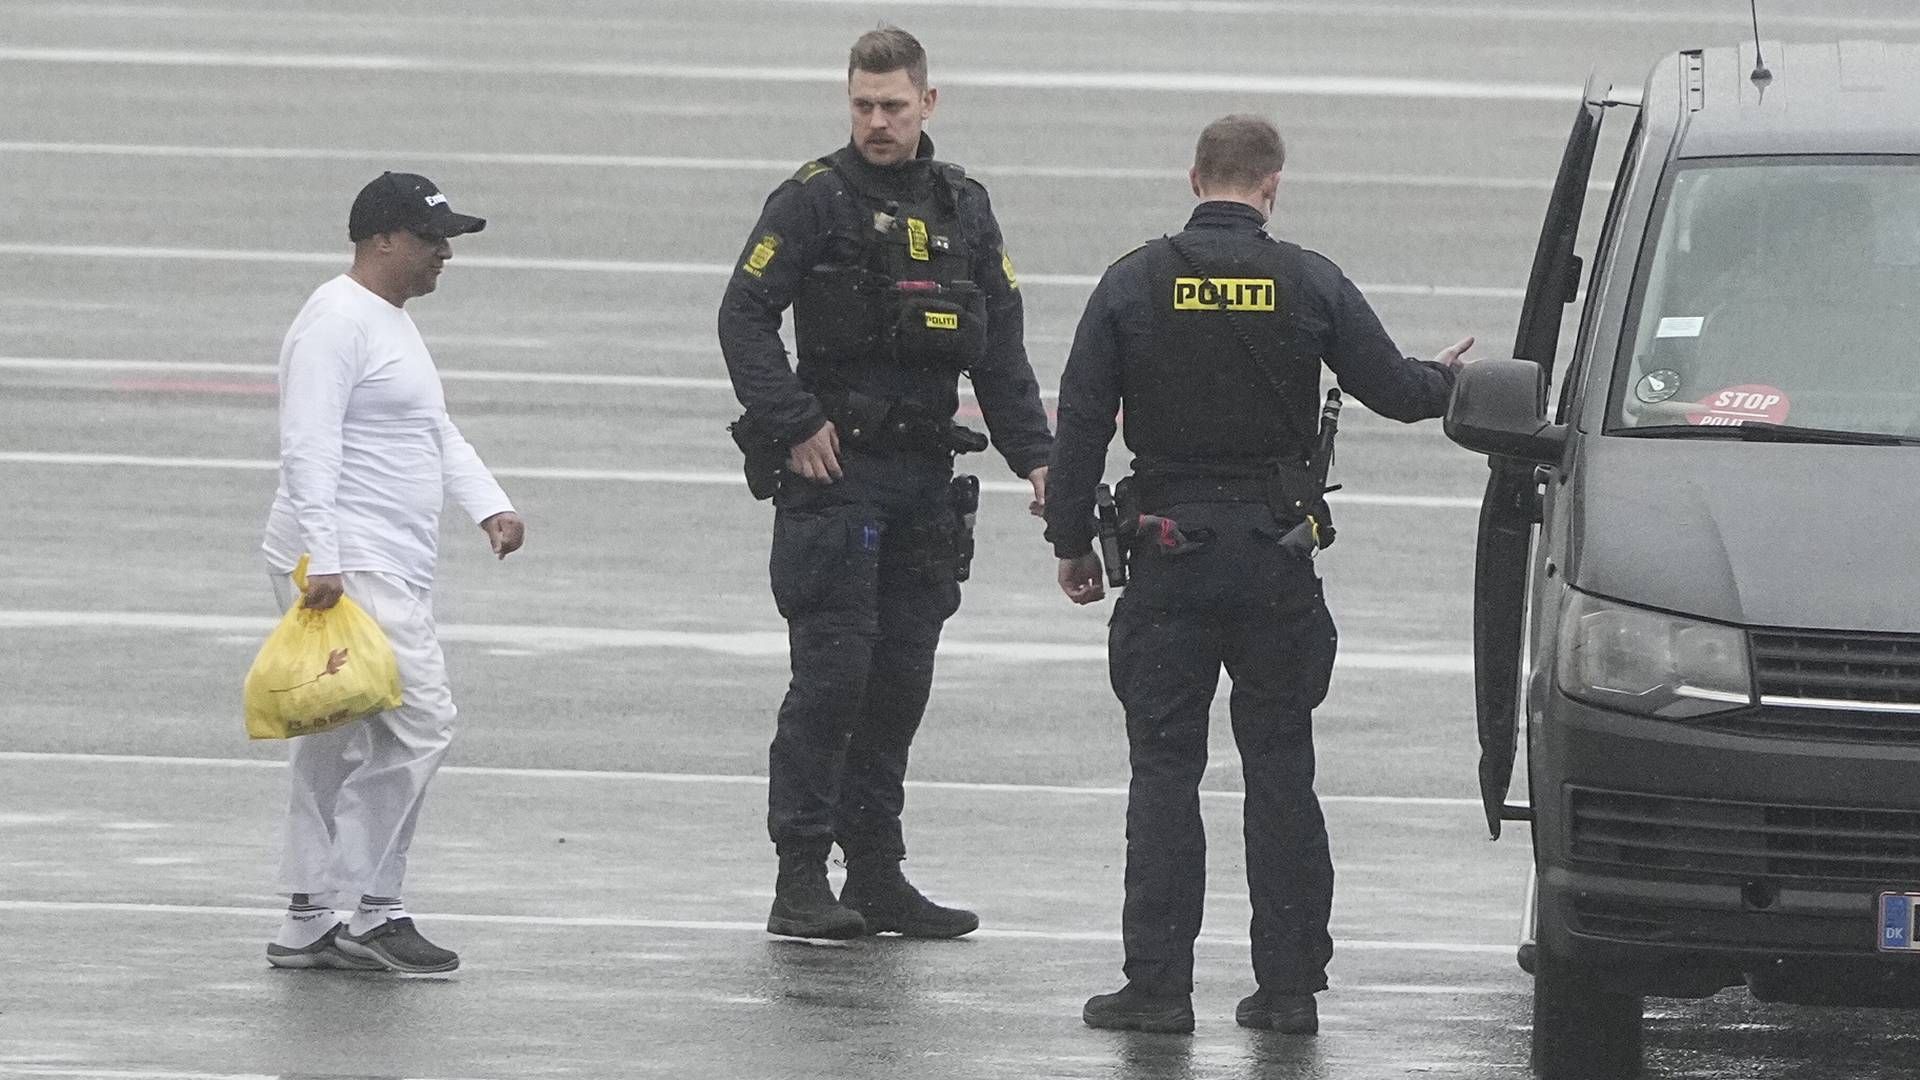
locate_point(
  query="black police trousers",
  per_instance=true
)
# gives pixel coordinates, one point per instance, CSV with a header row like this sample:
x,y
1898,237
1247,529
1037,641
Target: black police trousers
x,y
858,573
1242,603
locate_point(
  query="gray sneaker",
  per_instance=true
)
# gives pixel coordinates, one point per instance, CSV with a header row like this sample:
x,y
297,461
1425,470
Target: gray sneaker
x,y
396,944
324,953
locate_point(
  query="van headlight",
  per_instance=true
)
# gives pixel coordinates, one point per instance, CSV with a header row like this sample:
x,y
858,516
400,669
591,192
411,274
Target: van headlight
x,y
1647,662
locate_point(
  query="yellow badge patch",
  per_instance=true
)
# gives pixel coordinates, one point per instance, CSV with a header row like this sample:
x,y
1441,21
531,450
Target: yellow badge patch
x,y
1223,294
761,255
1006,267
917,238
942,320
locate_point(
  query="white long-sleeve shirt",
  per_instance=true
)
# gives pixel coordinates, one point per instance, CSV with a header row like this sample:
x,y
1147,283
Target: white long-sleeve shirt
x,y
368,455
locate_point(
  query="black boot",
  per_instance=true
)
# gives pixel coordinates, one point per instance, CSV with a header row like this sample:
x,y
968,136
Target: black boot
x,y
890,904
1290,1014
803,903
1135,1007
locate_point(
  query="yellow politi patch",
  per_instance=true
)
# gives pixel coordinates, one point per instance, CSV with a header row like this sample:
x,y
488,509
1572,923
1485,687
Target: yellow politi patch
x,y
761,255
1223,294
942,320
1006,267
917,238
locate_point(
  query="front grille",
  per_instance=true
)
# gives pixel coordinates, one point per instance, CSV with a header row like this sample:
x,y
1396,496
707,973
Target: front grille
x,y
1819,725
1704,837
1832,666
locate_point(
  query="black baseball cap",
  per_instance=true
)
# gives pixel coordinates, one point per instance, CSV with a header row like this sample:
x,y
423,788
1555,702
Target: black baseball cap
x,y
406,201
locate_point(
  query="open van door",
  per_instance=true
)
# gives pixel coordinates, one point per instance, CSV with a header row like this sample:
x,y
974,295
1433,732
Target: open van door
x,y
1510,509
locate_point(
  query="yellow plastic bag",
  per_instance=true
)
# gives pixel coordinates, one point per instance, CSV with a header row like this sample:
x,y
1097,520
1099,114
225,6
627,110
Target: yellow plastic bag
x,y
319,670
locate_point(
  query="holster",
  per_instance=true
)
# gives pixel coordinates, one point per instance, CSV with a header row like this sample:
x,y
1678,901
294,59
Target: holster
x,y
963,497
1143,534
764,456
1107,528
1298,500
936,545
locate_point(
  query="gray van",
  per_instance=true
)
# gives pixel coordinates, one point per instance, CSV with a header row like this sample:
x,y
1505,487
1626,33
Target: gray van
x,y
1697,583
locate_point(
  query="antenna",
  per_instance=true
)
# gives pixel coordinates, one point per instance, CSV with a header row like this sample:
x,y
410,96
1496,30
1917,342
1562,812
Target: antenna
x,y
1761,76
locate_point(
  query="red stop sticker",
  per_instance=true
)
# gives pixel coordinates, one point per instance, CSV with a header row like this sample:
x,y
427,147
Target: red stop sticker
x,y
1737,405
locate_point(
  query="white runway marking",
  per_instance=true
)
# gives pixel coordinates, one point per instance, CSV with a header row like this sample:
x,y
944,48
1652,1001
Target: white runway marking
x,y
576,775
1603,16
103,908
85,1072
1175,82
773,168
269,372
633,476
609,266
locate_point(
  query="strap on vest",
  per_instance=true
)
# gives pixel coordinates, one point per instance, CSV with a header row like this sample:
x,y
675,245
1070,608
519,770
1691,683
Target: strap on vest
x,y
1262,360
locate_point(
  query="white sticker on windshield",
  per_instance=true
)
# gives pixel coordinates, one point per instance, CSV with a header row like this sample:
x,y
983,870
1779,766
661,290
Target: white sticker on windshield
x,y
1675,326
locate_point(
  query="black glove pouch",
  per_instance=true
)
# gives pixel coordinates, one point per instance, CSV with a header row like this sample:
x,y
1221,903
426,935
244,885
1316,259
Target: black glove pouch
x,y
941,329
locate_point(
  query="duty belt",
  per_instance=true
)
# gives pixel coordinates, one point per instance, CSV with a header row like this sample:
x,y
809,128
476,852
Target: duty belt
x,y
895,424
1158,492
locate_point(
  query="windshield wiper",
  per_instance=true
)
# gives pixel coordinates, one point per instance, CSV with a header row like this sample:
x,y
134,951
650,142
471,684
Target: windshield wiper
x,y
1763,431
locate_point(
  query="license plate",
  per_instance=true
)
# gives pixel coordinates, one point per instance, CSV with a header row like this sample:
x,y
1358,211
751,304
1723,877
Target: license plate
x,y
1897,911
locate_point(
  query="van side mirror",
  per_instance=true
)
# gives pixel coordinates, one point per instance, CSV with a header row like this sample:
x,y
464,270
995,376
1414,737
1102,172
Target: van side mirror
x,y
1497,408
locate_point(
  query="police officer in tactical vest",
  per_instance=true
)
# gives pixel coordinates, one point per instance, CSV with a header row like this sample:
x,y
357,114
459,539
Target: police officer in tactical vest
x,y
900,285
1213,340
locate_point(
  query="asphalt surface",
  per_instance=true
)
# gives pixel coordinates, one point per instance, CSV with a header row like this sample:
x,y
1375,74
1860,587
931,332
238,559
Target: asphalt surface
x,y
176,181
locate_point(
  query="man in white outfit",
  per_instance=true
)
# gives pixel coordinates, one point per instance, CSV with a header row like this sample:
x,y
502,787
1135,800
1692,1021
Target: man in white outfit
x,y
368,456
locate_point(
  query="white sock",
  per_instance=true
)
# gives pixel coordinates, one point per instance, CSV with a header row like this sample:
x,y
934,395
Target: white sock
x,y
373,911
304,925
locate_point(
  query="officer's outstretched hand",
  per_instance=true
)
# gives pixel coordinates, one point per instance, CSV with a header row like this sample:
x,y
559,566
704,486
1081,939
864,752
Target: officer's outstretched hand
x,y
1449,357
818,457
1081,579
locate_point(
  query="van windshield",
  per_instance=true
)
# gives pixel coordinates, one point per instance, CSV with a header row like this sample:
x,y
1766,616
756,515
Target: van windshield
x,y
1782,292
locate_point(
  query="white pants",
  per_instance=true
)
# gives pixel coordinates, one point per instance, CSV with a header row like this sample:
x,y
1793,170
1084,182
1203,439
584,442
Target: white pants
x,y
357,790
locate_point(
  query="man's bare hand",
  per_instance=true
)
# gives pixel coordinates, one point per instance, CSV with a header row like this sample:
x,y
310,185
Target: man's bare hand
x,y
1081,579
323,591
505,532
1449,357
1038,478
818,457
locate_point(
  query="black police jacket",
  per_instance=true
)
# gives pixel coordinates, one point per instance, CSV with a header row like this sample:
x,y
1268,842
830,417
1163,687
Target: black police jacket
x,y
805,221
1177,338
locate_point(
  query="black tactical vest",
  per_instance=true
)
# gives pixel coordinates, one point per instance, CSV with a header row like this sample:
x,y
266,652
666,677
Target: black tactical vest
x,y
1196,397
894,286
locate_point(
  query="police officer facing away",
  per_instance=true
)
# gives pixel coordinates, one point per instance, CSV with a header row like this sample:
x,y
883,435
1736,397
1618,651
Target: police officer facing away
x,y
1213,340
899,283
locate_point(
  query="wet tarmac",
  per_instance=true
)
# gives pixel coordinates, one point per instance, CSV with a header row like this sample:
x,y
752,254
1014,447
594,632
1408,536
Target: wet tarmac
x,y
176,181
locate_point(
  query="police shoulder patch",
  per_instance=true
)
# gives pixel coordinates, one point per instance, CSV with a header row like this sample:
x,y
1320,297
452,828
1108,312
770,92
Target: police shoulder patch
x,y
762,254
1137,249
810,170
